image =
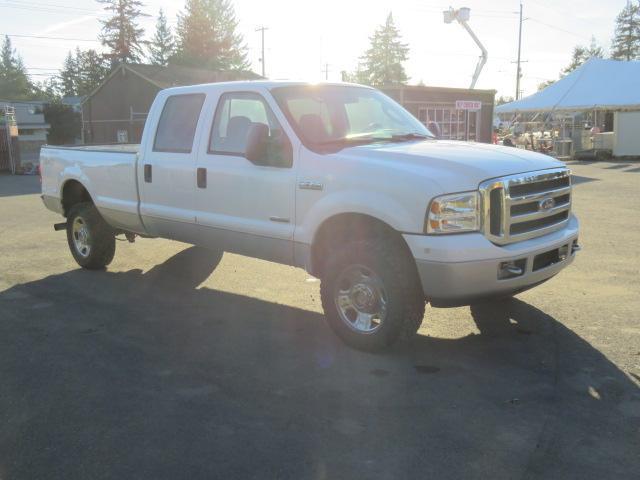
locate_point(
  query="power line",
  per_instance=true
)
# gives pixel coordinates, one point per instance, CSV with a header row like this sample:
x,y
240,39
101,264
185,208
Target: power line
x,y
39,5
61,11
557,28
14,35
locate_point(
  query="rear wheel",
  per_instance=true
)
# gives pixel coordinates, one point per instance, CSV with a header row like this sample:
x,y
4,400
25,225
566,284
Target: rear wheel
x,y
371,294
91,240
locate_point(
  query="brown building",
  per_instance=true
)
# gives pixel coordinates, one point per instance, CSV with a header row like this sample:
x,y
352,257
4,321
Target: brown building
x,y
115,112
455,110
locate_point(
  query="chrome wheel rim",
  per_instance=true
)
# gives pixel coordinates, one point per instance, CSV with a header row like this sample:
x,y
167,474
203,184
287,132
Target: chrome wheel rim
x,y
361,299
81,237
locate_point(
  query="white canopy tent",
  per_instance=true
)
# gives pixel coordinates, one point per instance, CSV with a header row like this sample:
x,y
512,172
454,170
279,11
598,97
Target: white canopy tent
x,y
596,85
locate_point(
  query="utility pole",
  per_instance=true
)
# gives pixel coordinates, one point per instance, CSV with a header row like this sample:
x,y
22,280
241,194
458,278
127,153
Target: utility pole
x,y
518,71
261,29
326,71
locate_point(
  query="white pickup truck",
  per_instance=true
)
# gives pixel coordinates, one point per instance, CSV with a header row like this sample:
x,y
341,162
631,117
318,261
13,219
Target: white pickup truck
x,y
334,178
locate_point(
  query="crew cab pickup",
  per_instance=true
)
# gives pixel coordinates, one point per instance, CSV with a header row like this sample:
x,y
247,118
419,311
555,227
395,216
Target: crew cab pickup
x,y
334,178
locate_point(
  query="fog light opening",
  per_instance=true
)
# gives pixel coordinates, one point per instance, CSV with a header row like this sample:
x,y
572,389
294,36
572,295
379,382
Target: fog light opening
x,y
511,269
563,252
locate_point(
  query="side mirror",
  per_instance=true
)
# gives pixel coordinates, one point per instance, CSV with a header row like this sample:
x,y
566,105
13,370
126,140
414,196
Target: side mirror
x,y
435,129
257,139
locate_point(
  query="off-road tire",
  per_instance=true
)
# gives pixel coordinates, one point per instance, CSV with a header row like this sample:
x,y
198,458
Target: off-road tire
x,y
101,235
405,299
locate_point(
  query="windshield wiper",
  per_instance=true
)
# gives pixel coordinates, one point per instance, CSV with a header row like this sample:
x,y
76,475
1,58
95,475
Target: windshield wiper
x,y
409,136
370,138
349,141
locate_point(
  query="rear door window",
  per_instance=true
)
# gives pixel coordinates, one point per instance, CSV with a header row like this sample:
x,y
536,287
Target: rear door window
x,y
178,121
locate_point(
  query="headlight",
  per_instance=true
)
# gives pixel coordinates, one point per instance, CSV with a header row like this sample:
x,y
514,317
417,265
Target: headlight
x,y
459,212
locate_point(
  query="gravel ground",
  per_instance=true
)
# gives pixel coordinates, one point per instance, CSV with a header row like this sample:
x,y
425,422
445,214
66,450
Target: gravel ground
x,y
176,363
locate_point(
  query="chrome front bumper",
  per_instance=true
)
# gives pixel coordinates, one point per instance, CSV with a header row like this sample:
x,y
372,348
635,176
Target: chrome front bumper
x,y
455,283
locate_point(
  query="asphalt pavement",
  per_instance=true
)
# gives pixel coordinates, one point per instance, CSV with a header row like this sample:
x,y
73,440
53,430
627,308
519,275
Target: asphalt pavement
x,y
178,362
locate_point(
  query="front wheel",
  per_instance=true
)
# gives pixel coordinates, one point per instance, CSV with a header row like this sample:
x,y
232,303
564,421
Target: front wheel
x,y
91,240
371,294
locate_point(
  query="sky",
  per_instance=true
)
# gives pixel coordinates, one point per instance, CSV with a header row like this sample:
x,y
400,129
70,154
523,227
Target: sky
x,y
303,36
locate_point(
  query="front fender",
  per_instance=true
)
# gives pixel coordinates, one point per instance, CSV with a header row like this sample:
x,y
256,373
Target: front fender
x,y
373,204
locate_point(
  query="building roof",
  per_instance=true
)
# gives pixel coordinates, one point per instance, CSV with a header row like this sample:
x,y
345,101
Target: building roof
x,y
72,100
428,88
597,84
22,102
173,75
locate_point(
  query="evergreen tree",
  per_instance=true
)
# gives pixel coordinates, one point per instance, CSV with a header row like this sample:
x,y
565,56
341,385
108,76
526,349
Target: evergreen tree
x,y
14,81
544,84
93,68
382,62
162,45
69,75
121,32
626,41
577,59
83,72
358,76
65,123
581,54
49,89
502,100
207,37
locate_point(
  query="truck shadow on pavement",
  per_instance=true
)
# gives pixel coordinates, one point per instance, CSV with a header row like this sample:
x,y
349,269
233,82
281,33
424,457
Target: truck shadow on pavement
x,y
147,375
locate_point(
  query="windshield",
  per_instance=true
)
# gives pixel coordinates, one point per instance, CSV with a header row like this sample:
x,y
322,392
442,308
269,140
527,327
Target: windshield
x,y
324,115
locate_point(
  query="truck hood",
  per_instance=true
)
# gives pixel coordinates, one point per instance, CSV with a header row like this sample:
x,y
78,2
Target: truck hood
x,y
458,165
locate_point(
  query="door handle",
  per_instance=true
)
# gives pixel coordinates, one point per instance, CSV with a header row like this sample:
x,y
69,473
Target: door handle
x,y
308,185
148,174
202,177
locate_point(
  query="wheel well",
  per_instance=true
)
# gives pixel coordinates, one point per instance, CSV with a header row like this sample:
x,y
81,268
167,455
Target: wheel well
x,y
73,192
346,227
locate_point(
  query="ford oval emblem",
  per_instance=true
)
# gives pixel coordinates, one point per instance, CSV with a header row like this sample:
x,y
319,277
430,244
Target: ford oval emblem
x,y
546,204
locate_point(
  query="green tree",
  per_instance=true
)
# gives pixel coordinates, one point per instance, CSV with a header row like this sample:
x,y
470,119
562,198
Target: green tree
x,y
581,54
83,72
502,100
207,37
358,76
65,123
93,68
49,89
69,74
162,45
626,40
121,32
382,62
545,84
15,83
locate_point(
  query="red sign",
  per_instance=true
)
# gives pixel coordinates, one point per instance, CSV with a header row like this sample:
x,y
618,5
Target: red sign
x,y
468,105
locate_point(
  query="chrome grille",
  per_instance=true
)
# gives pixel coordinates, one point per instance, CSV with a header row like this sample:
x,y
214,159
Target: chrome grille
x,y
528,205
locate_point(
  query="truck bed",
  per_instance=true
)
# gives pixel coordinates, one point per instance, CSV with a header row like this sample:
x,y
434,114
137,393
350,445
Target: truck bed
x,y
107,147
107,171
